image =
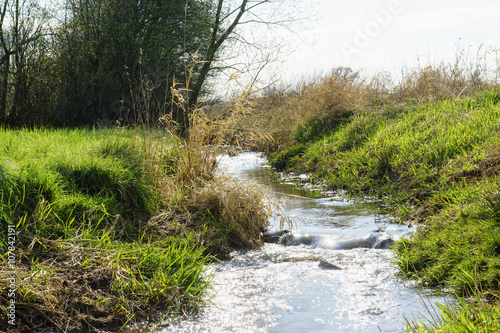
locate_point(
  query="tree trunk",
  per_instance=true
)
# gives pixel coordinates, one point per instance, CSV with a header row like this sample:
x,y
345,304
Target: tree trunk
x,y
4,88
215,44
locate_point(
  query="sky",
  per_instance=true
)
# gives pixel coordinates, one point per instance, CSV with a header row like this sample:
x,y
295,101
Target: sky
x,y
391,35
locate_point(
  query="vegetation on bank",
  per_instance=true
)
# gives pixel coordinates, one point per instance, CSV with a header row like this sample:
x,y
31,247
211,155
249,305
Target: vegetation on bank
x,y
466,315
430,148
113,226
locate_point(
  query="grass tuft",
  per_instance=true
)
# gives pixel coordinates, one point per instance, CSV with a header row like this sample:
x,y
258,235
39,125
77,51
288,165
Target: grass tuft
x,y
312,107
474,314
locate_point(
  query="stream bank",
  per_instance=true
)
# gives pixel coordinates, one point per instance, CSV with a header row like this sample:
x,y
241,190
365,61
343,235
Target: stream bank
x,y
318,285
435,165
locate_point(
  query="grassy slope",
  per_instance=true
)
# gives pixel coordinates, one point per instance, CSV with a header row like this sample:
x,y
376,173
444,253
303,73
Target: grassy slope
x,y
436,165
439,164
79,200
110,225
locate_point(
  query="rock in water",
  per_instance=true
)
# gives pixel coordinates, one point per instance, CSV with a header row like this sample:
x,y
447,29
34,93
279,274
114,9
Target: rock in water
x,y
326,265
385,244
276,237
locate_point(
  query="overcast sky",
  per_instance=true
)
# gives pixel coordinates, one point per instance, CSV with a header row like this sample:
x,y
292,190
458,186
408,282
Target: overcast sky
x,y
386,35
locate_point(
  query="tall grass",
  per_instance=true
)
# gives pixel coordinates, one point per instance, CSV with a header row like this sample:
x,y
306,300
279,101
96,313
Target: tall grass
x,y
468,74
304,111
233,211
473,314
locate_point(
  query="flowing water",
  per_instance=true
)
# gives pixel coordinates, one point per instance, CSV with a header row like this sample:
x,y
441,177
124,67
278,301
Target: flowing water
x,y
283,288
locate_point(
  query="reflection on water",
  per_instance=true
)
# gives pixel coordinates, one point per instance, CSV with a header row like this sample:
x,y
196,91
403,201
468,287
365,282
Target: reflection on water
x,y
284,289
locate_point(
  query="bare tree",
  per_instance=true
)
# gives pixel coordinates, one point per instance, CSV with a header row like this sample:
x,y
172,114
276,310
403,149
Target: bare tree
x,y
231,15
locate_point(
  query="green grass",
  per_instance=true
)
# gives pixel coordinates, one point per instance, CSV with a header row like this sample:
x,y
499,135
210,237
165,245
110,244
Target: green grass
x,y
81,201
115,226
474,315
168,270
74,171
435,163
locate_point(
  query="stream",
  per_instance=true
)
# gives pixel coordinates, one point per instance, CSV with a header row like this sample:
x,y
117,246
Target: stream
x,y
286,288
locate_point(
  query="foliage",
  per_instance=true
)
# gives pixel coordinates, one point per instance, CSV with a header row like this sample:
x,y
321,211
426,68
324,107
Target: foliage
x,y
109,48
24,53
474,314
92,62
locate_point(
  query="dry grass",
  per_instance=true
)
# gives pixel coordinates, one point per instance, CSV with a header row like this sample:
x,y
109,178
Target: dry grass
x,y
324,99
329,97
59,291
433,83
242,210
466,76
68,288
315,106
232,213
77,287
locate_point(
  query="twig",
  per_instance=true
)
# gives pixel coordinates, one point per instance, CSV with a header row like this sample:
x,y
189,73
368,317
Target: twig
x,y
25,319
32,306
